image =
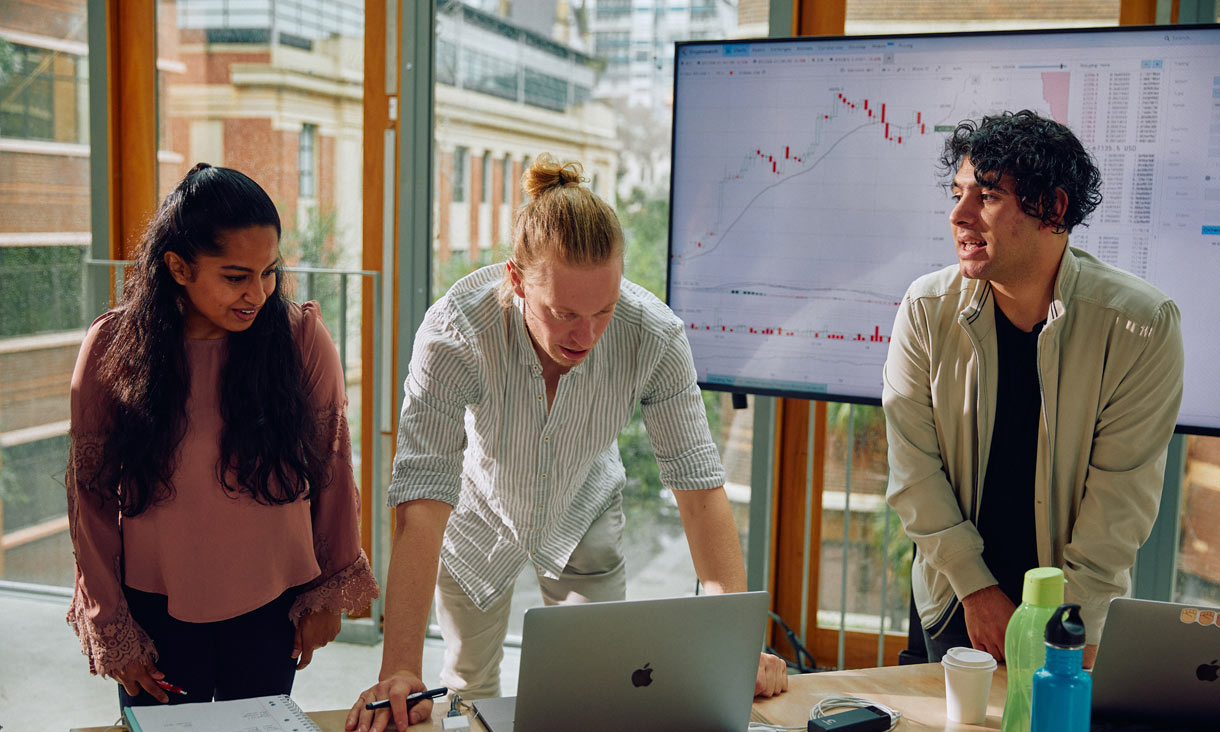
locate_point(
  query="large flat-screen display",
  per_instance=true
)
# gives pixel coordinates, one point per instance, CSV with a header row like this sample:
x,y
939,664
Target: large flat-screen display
x,y
806,198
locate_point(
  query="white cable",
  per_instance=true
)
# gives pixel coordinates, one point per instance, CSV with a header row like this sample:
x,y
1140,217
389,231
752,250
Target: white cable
x,y
820,710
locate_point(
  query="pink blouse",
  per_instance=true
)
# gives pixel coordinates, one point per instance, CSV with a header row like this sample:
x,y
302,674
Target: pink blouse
x,y
215,555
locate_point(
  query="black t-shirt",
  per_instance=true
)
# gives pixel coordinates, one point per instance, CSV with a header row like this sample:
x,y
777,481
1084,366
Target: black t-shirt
x,y
1006,515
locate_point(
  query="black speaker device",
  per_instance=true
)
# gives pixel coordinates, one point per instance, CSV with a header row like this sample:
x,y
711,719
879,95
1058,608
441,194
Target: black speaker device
x,y
864,719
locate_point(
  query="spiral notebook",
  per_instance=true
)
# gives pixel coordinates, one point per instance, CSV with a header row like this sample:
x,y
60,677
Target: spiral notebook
x,y
260,714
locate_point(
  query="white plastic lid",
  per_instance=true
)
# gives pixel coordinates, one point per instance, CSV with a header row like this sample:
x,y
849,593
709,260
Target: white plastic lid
x,y
968,658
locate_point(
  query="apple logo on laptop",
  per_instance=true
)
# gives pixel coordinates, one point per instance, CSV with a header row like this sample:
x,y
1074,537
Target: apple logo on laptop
x,y
643,676
1207,671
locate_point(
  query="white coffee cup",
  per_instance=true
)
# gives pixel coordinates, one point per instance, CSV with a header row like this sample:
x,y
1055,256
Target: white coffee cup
x,y
967,684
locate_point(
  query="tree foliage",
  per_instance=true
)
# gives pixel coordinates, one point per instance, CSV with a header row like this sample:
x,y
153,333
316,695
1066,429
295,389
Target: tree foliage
x,y
645,222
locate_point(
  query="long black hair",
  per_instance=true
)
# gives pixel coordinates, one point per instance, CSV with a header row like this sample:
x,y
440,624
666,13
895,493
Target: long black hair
x,y
1040,154
267,445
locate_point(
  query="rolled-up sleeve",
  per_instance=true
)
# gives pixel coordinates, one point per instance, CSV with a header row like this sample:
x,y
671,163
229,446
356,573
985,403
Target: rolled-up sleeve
x,y
673,412
442,380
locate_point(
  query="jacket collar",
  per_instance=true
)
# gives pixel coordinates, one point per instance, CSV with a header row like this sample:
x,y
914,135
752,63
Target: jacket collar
x,y
1065,284
982,299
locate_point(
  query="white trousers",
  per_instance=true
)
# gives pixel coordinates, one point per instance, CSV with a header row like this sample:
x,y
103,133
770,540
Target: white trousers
x,y
474,638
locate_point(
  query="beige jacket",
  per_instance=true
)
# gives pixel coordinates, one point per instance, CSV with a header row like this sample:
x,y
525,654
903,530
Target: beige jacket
x,y
1110,368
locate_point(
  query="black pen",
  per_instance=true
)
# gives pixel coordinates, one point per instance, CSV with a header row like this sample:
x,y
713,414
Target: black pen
x,y
411,698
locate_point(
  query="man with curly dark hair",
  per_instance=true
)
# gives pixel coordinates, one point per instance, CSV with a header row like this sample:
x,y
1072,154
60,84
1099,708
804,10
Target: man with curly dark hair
x,y
1030,392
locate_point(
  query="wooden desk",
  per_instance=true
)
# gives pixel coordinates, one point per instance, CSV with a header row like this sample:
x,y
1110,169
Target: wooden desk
x,y
917,691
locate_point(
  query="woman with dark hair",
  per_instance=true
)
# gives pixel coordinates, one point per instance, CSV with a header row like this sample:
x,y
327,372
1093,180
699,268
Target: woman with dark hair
x,y
211,500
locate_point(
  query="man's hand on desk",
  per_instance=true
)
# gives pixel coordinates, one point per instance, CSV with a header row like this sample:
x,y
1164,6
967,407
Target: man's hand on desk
x,y
772,676
395,688
987,613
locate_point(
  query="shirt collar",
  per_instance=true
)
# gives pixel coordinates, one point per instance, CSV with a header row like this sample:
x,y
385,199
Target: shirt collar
x,y
516,323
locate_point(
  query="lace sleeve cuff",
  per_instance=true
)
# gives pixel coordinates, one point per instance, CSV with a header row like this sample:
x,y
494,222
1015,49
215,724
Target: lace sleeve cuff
x,y
348,590
112,646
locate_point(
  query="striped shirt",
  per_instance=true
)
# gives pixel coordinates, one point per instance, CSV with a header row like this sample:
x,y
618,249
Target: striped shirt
x,y
527,484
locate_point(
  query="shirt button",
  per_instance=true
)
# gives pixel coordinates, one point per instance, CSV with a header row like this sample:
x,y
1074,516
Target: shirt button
x,y
546,438
539,397
544,475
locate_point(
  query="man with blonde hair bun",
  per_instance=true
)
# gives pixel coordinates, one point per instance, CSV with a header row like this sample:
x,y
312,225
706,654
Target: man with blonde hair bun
x,y
521,379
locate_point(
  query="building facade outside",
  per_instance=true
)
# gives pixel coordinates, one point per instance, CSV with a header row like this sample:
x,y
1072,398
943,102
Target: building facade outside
x,y
506,93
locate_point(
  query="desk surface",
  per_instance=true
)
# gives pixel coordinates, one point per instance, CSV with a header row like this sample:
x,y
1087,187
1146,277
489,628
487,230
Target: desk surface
x,y
918,691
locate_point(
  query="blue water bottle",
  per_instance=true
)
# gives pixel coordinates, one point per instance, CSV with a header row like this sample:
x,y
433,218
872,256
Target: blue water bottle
x,y
1063,692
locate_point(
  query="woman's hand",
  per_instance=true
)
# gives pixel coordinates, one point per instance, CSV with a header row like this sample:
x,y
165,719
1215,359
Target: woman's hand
x,y
141,674
314,630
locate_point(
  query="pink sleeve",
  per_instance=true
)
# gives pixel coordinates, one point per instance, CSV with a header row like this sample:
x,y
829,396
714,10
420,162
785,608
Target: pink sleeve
x,y
346,583
109,637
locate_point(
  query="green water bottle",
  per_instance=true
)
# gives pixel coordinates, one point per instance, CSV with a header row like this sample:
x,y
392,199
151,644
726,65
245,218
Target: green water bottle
x,y
1024,646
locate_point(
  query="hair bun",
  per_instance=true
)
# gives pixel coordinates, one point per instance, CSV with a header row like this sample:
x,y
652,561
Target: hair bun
x,y
546,173
198,167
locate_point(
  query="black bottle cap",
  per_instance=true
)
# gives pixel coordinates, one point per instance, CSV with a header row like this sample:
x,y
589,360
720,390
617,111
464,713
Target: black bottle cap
x,y
1065,632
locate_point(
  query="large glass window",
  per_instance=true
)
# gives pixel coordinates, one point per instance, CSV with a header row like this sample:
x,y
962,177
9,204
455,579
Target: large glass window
x,y
43,93
1198,560
44,241
865,574
461,158
486,177
307,161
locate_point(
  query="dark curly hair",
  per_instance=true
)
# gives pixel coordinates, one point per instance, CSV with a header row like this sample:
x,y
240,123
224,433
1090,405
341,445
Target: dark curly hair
x,y
1040,154
267,443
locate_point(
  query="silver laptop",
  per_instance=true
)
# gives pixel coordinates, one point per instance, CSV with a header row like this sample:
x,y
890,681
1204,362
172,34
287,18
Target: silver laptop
x,y
685,663
1158,661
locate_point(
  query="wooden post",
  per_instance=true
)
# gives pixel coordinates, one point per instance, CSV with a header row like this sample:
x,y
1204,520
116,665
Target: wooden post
x,y
131,28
